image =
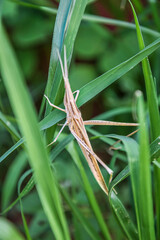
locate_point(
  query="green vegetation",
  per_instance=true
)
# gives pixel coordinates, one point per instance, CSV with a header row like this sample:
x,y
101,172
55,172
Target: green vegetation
x,y
50,192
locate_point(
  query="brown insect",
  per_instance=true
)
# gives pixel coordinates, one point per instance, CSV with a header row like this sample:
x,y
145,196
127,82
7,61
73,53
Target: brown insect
x,y
76,126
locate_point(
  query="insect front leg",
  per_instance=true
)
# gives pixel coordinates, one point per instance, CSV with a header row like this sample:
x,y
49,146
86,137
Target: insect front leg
x,y
52,105
58,134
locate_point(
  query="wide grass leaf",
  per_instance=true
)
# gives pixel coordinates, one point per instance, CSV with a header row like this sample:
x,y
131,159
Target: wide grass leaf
x,y
38,157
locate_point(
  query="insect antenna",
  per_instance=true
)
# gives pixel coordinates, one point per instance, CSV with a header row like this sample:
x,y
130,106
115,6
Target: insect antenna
x,y
65,63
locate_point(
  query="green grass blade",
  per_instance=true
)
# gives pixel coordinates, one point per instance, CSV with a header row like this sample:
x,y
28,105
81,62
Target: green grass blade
x,y
153,114
155,148
8,231
28,187
23,109
9,127
71,149
123,217
120,177
57,42
12,177
144,189
131,148
149,83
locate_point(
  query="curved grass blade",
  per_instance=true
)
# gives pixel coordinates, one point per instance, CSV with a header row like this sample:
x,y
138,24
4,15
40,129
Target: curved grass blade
x,y
22,107
153,113
123,217
9,127
13,148
12,177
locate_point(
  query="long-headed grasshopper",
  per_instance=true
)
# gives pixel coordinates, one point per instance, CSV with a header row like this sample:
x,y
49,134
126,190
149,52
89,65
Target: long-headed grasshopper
x,y
76,124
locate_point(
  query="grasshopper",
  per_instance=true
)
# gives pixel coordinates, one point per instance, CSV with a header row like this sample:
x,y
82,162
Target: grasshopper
x,y
76,126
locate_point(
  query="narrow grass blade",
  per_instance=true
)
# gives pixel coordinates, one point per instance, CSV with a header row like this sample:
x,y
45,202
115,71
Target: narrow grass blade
x,y
123,217
13,148
149,83
144,187
57,42
28,187
71,149
26,229
119,178
9,127
153,113
8,231
24,111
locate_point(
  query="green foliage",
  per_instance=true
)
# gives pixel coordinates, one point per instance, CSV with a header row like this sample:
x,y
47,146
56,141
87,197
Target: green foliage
x,y
58,198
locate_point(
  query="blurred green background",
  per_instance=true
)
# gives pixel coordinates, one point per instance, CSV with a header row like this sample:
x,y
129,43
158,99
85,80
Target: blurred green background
x,y
98,48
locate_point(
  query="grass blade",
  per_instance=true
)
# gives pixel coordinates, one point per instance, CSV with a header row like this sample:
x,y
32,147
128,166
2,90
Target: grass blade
x,y
153,113
144,189
123,217
149,83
